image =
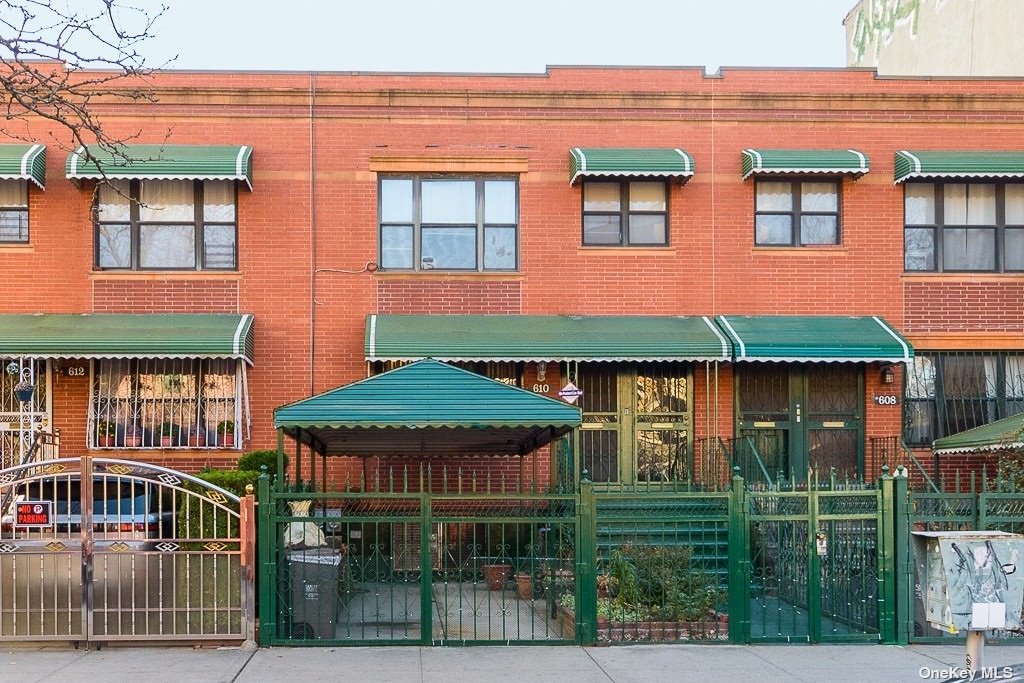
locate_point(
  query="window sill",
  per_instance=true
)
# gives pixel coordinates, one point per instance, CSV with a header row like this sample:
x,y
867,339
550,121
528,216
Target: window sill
x,y
961,277
830,250
24,247
447,275
165,275
624,251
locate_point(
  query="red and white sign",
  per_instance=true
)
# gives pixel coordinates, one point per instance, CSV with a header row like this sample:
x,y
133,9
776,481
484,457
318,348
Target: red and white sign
x,y
33,513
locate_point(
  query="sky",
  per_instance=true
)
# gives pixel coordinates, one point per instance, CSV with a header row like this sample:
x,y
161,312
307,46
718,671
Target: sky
x,y
521,36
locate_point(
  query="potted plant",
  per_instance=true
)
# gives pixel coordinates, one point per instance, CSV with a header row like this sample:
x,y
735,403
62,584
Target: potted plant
x,y
197,436
23,390
496,575
226,433
169,433
526,585
132,435
105,433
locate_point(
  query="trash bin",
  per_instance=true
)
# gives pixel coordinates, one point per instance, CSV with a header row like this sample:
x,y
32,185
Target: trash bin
x,y
314,582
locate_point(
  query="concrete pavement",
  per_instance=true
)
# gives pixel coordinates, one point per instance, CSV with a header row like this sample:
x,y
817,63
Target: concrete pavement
x,y
640,663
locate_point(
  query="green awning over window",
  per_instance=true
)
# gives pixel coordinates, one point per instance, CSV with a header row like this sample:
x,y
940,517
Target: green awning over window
x,y
814,338
117,335
165,162
605,162
824,161
1005,433
23,162
964,164
543,337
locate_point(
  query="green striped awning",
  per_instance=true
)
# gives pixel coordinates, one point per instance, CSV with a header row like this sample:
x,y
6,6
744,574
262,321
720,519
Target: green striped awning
x,y
825,161
1005,433
427,407
603,162
814,338
962,164
165,162
125,335
543,337
23,162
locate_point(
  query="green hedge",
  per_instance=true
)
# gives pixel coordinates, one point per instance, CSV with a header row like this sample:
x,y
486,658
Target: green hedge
x,y
255,460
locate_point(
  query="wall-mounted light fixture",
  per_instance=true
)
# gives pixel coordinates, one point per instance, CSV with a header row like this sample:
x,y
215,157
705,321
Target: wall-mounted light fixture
x,y
542,370
887,376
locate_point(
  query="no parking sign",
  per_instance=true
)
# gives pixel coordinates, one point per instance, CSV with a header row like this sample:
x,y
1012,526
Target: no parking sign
x,y
33,513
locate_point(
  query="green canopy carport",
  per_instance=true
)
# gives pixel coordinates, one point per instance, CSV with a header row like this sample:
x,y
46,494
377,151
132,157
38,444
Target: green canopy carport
x,y
1005,433
850,339
426,408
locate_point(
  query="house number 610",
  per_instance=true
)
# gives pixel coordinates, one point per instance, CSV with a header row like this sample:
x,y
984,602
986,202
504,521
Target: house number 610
x,y
541,388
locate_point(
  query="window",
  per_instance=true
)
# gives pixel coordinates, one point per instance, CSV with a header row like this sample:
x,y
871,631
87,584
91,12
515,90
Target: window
x,y
629,213
947,393
165,403
965,227
796,213
449,223
13,211
166,225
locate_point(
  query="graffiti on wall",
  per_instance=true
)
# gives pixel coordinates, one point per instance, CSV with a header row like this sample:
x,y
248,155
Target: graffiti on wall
x,y
878,21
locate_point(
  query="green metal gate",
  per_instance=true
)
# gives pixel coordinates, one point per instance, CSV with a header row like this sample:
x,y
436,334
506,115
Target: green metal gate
x,y
814,563
398,567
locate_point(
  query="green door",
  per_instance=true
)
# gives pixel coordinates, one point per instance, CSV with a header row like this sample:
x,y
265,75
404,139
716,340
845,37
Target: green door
x,y
802,416
636,421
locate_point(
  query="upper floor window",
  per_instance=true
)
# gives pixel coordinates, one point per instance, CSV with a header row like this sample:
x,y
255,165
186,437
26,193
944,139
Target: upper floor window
x,y
449,223
13,211
796,213
627,213
973,227
167,225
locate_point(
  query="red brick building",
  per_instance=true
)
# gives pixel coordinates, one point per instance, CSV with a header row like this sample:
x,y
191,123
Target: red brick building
x,y
441,195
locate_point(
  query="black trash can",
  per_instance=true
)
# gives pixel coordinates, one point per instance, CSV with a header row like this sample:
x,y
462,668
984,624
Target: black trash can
x,y
314,582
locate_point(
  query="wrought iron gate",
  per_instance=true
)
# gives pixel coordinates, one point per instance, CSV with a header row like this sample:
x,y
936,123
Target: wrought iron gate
x,y
99,549
390,566
814,560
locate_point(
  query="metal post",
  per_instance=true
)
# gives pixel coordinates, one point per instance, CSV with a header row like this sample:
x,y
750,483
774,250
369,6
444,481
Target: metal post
x,y
247,546
280,455
887,576
426,572
267,574
814,570
975,651
739,562
586,564
86,531
904,595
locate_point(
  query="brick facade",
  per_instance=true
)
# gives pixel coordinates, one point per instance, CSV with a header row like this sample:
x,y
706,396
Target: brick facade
x,y
309,226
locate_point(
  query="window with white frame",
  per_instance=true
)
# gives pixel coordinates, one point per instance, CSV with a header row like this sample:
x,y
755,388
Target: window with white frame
x,y
13,211
166,403
449,223
166,225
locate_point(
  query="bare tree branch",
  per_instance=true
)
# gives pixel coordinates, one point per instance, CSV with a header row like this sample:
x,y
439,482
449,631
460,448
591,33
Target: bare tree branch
x,y
59,58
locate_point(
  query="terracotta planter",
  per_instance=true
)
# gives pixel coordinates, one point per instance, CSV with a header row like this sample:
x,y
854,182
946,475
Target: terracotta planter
x,y
166,441
197,440
524,582
496,575
104,441
227,440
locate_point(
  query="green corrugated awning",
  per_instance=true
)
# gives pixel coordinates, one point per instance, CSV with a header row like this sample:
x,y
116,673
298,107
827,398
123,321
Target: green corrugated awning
x,y
962,164
814,338
1005,433
543,337
826,161
125,335
165,162
427,407
23,162
656,162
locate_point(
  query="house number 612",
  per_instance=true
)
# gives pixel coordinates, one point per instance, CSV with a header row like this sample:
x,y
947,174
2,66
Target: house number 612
x,y
76,371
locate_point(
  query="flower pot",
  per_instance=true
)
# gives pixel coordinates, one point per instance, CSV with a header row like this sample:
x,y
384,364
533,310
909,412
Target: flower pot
x,y
496,575
105,441
166,441
133,441
227,439
524,582
197,440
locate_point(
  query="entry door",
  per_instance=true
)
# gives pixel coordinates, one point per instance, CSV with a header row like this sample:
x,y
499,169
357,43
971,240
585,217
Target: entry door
x,y
635,422
803,416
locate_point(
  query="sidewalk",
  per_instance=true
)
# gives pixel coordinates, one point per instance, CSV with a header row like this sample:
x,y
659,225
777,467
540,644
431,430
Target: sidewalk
x,y
641,663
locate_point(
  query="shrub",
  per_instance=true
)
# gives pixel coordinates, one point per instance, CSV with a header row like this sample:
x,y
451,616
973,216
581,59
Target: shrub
x,y
659,583
234,481
1011,462
255,460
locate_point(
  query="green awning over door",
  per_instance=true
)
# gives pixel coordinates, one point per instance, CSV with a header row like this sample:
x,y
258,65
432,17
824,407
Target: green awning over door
x,y
818,161
165,162
814,338
912,165
642,162
23,162
543,338
117,335
1005,433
